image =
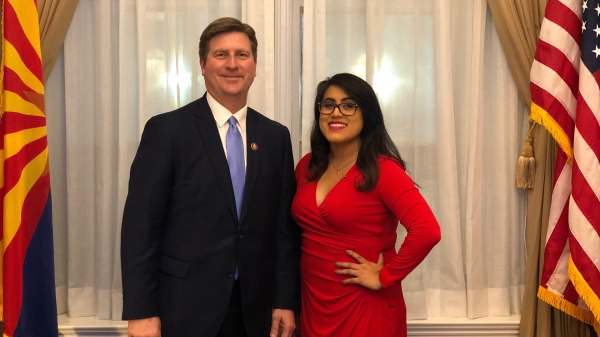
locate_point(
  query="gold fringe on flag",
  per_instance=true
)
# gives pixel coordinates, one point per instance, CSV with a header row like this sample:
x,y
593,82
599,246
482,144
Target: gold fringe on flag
x,y
563,305
543,118
586,293
526,162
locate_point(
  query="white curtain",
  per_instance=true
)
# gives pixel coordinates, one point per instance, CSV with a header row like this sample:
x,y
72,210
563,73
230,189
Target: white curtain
x,y
452,109
437,66
124,62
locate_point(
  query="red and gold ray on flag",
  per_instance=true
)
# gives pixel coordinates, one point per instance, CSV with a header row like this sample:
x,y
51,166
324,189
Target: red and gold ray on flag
x,y
565,94
28,301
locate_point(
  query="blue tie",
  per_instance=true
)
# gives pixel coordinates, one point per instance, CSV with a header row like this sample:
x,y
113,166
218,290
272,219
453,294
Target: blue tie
x,y
235,159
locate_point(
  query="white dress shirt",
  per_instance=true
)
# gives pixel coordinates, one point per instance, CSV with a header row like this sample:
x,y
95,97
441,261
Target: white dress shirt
x,y
222,115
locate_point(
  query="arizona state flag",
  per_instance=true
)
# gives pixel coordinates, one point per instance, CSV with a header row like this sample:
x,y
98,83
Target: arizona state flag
x,y
28,298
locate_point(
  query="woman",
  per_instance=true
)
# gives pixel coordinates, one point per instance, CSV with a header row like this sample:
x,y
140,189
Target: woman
x,y
352,190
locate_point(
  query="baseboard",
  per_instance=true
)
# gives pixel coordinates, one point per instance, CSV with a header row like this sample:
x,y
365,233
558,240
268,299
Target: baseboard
x,y
89,326
464,327
432,327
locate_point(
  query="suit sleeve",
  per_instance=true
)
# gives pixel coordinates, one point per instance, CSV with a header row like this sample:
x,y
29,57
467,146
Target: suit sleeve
x,y
287,263
150,184
399,194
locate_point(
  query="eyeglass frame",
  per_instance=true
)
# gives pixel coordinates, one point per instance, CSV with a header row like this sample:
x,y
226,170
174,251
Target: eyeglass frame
x,y
356,106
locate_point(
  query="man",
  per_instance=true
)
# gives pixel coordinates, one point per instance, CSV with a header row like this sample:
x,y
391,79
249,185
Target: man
x,y
208,246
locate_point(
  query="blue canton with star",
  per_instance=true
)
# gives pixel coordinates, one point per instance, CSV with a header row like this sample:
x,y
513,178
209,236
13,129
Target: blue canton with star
x,y
590,36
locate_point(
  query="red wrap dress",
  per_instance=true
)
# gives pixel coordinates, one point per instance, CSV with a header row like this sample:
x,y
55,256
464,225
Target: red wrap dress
x,y
366,223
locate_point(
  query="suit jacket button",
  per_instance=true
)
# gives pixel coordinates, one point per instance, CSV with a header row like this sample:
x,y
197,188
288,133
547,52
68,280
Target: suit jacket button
x,y
230,273
240,236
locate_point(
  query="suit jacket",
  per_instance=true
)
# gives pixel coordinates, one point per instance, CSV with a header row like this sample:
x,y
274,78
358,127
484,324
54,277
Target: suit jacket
x,y
181,239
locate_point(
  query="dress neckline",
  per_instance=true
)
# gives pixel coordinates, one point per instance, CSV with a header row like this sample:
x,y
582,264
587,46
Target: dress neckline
x,y
332,188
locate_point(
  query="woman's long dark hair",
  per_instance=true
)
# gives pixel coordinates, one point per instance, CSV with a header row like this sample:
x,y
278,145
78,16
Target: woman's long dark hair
x,y
374,138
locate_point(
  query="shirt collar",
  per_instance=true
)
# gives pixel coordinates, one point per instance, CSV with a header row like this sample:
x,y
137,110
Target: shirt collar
x,y
222,115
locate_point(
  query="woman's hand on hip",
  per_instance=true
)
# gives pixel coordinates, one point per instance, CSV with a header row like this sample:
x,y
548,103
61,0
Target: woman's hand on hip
x,y
365,273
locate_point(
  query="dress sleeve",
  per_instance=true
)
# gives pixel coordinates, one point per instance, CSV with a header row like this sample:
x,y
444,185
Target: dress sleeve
x,y
398,192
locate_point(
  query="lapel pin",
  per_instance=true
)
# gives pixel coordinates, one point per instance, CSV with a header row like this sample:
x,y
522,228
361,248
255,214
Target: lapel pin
x,y
254,147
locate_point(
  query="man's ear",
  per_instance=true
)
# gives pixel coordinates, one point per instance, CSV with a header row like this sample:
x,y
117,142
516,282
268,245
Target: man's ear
x,y
202,65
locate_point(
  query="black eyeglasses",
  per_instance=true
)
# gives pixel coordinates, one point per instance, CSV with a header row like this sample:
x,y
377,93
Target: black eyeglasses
x,y
346,109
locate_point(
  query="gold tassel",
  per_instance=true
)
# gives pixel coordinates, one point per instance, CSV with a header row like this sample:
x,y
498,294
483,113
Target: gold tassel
x,y
526,162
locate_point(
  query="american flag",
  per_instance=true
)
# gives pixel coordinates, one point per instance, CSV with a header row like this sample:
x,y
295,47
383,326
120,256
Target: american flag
x,y
565,90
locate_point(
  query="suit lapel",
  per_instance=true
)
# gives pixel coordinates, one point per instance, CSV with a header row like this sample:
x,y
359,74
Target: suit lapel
x,y
205,122
253,149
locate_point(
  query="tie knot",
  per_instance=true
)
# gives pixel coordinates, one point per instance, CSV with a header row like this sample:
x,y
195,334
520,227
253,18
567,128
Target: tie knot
x,y
232,121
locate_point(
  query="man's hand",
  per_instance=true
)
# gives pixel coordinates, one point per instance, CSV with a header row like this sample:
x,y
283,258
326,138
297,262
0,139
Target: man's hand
x,y
282,319
145,327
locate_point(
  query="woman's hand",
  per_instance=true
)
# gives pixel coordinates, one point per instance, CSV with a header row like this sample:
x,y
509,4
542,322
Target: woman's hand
x,y
366,273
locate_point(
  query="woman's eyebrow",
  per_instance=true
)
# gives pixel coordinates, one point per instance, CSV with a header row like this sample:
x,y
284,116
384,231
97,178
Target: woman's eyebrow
x,y
333,100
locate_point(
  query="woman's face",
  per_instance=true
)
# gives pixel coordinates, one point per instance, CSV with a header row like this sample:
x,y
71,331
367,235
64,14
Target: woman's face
x,y
340,129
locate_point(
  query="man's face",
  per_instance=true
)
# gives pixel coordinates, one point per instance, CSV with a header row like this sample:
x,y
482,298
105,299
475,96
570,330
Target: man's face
x,y
229,68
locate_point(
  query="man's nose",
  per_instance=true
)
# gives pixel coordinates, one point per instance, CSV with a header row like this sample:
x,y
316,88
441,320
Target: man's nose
x,y
231,62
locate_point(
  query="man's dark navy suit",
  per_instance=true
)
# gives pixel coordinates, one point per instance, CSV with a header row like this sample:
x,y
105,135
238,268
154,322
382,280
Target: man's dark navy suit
x,y
181,239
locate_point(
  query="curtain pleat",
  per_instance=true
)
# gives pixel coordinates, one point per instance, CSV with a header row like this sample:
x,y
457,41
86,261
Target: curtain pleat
x,y
54,17
518,23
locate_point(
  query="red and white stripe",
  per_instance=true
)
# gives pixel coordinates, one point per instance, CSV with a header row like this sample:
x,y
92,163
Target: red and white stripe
x,y
566,100
584,206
